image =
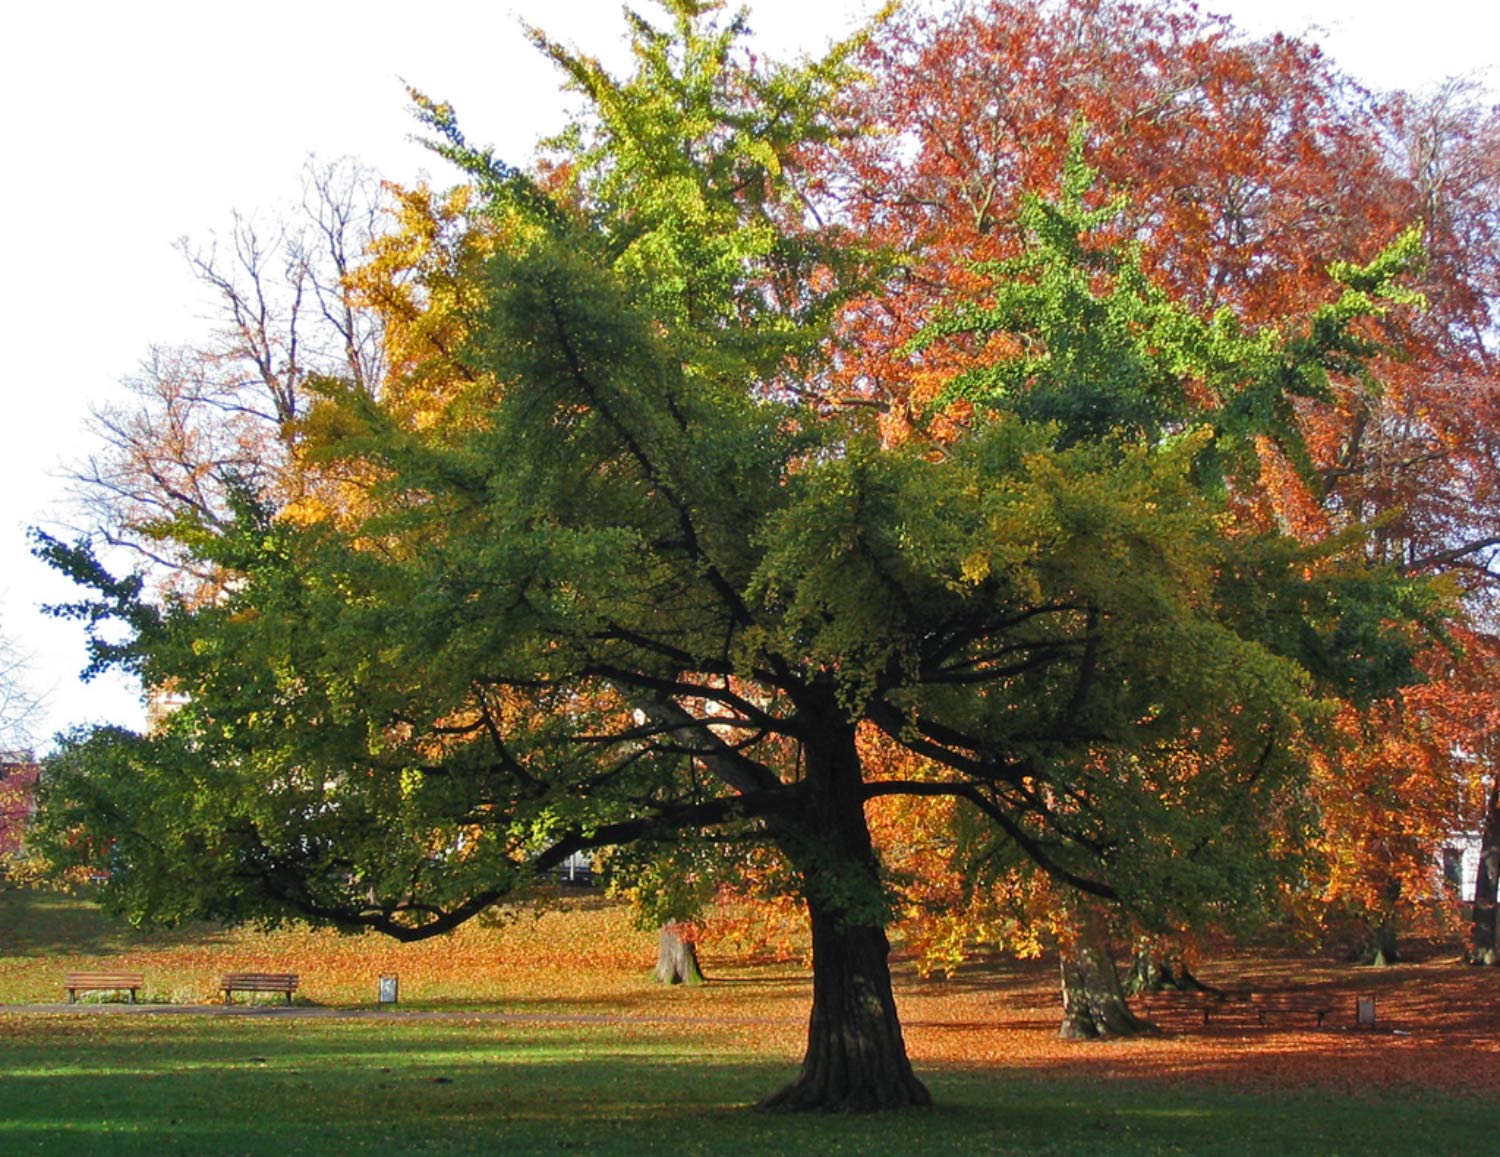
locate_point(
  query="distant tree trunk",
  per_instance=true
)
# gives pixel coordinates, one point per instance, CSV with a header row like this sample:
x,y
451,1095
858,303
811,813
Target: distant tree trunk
x,y
677,956
1155,971
856,1057
1484,934
1093,1000
1379,947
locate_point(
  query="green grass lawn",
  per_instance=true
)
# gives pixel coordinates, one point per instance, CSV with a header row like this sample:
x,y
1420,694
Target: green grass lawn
x,y
109,1084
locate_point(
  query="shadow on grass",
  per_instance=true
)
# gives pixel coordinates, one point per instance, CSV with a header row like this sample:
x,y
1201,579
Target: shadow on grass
x,y
275,1087
38,923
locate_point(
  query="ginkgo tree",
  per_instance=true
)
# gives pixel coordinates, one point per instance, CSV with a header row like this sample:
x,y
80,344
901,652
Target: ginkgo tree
x,y
652,590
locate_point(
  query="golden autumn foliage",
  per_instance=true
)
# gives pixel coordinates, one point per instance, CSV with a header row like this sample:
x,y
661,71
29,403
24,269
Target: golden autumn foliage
x,y
421,276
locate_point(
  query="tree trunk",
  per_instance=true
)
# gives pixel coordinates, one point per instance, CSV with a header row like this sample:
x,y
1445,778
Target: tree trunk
x,y
677,957
1093,1001
1154,971
1380,947
1484,934
856,1057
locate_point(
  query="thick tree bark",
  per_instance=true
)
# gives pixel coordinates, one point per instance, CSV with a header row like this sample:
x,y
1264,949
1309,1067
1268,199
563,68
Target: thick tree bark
x,y
856,1057
1093,1000
1484,931
677,957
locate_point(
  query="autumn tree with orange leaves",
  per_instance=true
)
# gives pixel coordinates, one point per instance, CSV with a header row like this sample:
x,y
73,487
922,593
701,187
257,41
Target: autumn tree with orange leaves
x,y
1246,169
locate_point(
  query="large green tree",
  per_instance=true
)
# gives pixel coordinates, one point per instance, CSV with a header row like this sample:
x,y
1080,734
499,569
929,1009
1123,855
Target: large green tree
x,y
655,594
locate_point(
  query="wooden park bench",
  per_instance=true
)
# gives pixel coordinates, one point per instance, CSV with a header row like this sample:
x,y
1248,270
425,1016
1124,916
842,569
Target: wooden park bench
x,y
1201,1005
1315,1004
232,982
76,982
1196,1005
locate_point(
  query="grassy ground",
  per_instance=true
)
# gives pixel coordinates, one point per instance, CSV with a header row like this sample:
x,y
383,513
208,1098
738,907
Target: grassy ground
x,y
545,1034
132,1085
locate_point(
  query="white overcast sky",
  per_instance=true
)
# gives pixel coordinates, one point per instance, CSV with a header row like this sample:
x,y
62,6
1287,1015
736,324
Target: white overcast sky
x,y
129,125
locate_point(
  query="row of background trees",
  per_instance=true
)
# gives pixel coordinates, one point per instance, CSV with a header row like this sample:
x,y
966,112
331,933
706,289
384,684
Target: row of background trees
x,y
997,429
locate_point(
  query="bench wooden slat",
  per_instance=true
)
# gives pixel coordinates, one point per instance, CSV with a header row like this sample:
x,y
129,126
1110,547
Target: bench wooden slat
x,y
1205,1004
232,982
76,982
1315,1004
1171,1001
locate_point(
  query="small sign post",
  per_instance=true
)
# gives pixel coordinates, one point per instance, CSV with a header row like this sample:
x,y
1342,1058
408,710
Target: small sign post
x,y
388,985
1364,1011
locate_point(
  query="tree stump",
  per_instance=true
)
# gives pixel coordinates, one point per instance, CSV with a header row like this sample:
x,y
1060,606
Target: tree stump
x,y
677,957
